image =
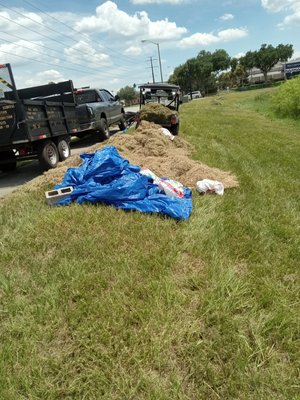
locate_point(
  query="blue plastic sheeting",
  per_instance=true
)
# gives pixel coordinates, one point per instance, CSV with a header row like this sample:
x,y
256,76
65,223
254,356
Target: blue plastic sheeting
x,y
106,177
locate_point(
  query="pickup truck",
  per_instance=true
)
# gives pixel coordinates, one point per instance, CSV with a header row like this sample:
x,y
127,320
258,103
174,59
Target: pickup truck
x,y
97,110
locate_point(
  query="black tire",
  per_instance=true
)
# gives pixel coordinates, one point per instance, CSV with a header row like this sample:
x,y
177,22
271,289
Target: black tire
x,y
48,155
122,123
63,147
8,161
103,130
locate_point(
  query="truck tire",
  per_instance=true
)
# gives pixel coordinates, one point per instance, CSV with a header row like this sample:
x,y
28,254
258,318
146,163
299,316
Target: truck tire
x,y
122,123
63,147
48,155
103,130
8,161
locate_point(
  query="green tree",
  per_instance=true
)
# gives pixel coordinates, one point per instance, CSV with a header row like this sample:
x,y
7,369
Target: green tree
x,y
128,94
199,73
248,62
267,56
233,64
220,60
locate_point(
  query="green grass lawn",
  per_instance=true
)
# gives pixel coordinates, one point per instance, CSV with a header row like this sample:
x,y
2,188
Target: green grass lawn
x,y
98,303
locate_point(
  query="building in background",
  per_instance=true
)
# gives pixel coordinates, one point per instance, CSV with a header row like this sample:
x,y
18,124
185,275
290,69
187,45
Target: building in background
x,y
282,70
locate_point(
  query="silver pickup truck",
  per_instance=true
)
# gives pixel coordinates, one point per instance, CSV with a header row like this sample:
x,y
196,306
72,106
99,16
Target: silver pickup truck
x,y
97,110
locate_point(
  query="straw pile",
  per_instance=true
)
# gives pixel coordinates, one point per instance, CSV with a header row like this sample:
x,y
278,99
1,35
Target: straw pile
x,y
149,148
157,113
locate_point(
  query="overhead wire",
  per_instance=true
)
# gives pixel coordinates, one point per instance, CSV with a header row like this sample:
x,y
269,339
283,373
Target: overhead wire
x,y
70,27
69,62
57,41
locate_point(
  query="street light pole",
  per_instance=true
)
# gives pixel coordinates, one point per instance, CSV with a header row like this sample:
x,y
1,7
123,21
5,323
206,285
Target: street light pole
x,y
159,59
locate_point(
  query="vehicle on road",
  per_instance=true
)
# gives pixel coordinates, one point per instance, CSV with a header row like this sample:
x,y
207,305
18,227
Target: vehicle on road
x,y
165,94
32,127
195,95
97,110
38,122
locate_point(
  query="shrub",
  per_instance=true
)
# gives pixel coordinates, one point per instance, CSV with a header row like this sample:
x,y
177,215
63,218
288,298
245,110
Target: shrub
x,y
286,100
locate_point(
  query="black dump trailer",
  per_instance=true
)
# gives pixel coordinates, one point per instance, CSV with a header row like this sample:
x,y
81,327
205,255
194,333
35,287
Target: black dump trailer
x,y
35,122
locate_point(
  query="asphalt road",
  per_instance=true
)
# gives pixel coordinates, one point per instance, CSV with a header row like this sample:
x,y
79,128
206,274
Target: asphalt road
x,y
10,181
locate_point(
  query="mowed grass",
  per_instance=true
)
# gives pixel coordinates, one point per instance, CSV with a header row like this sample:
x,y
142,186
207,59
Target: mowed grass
x,y
98,303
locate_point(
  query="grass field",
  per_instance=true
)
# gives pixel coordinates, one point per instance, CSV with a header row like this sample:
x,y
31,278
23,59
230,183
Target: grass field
x,y
96,303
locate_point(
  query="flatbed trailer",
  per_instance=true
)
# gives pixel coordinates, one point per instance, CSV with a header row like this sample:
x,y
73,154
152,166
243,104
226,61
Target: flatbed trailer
x,y
35,122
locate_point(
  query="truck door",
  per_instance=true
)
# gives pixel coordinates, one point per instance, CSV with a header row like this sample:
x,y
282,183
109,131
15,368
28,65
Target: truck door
x,y
113,105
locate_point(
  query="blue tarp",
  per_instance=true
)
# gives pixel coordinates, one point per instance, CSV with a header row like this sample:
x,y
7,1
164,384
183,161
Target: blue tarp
x,y
106,177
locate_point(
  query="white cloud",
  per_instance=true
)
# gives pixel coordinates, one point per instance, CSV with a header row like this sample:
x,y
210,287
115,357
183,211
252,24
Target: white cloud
x,y
159,1
9,23
207,39
83,52
17,52
293,19
116,22
239,55
290,6
226,17
278,5
42,78
133,51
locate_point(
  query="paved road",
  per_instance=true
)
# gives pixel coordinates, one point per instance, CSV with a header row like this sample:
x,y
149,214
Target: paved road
x,y
10,181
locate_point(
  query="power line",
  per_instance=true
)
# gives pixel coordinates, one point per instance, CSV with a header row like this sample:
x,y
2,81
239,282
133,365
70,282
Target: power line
x,y
69,27
47,37
80,51
55,65
56,51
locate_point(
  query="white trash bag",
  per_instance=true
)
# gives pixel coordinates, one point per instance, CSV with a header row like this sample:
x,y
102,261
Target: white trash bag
x,y
210,186
167,133
170,187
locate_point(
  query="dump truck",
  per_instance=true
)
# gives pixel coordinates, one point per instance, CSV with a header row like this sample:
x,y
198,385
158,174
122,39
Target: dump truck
x,y
35,122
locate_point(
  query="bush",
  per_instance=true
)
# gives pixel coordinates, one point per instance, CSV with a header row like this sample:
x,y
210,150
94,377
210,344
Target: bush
x,y
286,100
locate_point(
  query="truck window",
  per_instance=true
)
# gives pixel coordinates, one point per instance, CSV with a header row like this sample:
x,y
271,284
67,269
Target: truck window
x,y
107,96
88,96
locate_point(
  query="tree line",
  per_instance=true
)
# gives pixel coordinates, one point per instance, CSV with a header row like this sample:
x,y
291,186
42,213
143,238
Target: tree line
x,y
209,71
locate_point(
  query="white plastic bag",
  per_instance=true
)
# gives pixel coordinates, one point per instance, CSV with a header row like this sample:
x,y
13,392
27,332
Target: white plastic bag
x,y
171,188
168,186
166,132
210,186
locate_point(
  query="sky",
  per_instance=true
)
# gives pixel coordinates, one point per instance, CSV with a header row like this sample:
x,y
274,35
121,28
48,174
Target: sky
x,y
110,44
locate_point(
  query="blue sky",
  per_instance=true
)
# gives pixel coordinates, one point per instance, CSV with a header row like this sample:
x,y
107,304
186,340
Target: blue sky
x,y
98,43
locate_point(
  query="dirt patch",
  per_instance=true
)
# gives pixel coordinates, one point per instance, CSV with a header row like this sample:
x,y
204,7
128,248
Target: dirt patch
x,y
149,148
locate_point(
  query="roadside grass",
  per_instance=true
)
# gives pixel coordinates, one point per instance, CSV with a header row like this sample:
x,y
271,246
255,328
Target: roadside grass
x,y
98,303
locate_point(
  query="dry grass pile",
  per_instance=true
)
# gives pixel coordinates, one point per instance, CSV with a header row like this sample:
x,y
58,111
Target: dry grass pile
x,y
149,148
157,113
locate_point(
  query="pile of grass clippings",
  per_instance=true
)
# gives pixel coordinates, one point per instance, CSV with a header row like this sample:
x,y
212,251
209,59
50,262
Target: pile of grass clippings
x,y
149,148
157,113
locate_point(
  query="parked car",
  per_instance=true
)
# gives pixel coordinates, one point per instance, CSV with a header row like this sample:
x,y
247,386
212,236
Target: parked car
x,y
195,95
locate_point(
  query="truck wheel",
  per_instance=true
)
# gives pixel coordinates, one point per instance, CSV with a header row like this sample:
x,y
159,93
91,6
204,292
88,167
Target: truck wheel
x,y
103,130
8,161
122,123
63,147
48,155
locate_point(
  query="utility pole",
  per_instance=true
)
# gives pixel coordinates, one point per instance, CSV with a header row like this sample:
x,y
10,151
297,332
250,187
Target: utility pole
x,y
152,69
159,59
